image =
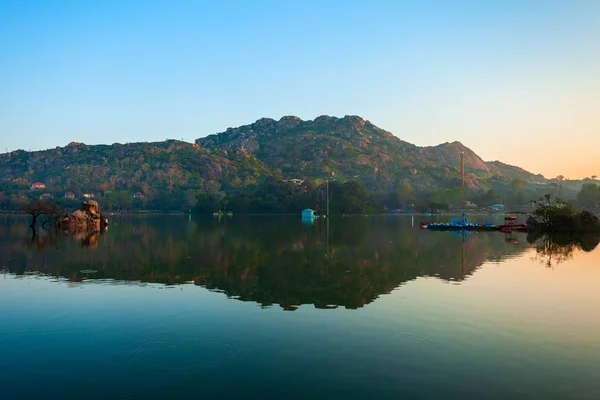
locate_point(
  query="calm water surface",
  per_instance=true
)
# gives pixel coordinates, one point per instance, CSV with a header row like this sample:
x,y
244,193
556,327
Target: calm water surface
x,y
269,307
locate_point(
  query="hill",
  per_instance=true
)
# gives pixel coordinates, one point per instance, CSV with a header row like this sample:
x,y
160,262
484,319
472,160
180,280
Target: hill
x,y
168,173
353,148
171,174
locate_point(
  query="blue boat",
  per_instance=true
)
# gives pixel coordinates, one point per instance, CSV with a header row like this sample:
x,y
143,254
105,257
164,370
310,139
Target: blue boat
x,y
461,224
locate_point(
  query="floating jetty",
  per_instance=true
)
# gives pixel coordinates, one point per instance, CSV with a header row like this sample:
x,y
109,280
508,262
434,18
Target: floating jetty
x,y
469,227
463,224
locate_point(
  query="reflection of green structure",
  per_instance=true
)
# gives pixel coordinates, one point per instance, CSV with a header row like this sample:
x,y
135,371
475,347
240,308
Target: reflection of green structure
x,y
308,221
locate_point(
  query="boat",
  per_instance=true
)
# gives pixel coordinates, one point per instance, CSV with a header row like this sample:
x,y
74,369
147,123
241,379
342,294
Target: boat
x,y
467,227
462,224
510,226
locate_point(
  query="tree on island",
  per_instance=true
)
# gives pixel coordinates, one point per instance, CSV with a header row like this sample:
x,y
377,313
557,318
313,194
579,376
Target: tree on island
x,y
36,209
556,215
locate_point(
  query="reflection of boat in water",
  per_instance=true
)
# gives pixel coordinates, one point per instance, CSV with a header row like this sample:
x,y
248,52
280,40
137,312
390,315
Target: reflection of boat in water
x,y
513,228
510,225
510,239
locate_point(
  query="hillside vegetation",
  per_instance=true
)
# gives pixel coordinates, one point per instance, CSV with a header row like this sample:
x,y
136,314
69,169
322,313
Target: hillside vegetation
x,y
170,175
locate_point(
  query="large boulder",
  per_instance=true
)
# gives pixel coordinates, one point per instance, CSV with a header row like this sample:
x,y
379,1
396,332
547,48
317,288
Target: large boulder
x,y
588,221
91,207
533,225
88,218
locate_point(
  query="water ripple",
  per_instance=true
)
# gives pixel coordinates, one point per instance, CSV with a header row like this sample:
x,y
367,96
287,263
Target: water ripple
x,y
185,353
414,338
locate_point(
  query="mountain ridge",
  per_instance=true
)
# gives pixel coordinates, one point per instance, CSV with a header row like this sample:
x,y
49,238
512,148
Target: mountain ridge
x,y
347,148
260,137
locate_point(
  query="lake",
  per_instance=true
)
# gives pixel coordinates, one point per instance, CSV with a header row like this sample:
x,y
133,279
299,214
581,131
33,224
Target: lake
x,y
273,307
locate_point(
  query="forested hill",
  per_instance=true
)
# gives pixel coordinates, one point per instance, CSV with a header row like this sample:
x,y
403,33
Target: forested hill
x,y
354,148
171,170
174,172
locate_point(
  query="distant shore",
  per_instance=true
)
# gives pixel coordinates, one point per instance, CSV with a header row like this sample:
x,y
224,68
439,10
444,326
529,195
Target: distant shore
x,y
159,212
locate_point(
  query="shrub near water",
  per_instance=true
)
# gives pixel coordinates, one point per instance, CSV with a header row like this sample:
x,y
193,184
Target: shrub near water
x,y
559,216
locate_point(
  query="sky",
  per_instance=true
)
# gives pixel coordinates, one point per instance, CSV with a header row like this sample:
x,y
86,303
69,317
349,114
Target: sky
x,y
516,81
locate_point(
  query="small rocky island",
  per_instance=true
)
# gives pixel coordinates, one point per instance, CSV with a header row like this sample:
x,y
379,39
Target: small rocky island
x,y
557,216
88,218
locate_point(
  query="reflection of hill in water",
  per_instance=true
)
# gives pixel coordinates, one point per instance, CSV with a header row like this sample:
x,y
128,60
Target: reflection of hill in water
x,y
269,260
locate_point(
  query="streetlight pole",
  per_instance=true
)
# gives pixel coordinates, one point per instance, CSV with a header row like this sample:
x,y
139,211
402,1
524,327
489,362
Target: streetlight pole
x,y
328,196
462,175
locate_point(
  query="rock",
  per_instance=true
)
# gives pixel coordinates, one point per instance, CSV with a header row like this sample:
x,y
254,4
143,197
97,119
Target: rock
x,y
288,122
88,218
264,122
533,224
78,216
324,119
91,207
588,221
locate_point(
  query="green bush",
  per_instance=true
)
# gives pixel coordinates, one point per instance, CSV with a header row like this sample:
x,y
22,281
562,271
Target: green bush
x,y
559,216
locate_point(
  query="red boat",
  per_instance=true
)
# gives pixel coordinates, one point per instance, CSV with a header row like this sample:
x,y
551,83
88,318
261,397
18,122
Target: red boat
x,y
510,226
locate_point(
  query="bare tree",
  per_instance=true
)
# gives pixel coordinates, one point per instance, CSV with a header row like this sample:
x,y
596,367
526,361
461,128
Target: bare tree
x,y
49,210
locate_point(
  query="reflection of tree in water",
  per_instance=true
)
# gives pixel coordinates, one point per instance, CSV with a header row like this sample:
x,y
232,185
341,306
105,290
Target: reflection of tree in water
x,y
270,260
557,248
45,239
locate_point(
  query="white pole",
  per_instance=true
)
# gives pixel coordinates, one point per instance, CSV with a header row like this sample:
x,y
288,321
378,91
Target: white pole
x,y
328,196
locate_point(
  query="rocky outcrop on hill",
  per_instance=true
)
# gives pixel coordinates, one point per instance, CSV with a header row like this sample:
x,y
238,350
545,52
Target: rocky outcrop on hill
x,y
354,148
88,218
351,147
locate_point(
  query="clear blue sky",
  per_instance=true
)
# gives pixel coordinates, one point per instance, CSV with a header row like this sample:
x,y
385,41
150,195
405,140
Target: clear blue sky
x,y
492,74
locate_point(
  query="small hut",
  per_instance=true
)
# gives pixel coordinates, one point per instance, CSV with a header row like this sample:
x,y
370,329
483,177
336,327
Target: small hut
x,y
308,213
